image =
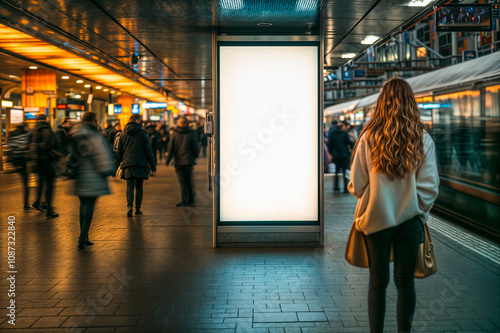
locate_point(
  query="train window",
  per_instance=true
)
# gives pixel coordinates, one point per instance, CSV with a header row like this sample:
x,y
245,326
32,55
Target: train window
x,y
467,144
492,101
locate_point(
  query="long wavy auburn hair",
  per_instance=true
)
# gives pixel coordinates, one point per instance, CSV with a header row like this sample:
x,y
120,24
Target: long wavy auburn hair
x,y
395,132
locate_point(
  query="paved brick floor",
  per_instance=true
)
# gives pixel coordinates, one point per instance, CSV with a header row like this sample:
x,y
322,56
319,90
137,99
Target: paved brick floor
x,y
159,273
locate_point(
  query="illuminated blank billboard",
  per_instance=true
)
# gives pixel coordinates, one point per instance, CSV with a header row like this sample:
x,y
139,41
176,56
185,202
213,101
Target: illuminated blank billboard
x,y
268,133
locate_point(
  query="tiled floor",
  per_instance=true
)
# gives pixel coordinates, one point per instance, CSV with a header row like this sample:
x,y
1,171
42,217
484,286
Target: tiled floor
x,y
159,273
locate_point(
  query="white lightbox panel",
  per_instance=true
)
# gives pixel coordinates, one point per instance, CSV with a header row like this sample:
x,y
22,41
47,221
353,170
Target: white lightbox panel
x,y
268,133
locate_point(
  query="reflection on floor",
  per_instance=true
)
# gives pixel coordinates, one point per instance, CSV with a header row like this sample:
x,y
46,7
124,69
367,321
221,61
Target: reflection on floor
x,y
159,273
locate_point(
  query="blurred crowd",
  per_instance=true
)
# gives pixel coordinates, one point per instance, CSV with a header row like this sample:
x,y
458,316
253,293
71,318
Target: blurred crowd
x,y
87,155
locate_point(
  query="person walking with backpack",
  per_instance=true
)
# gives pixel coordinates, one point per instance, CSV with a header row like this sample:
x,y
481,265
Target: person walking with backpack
x,y
184,149
18,143
136,157
44,152
89,164
395,178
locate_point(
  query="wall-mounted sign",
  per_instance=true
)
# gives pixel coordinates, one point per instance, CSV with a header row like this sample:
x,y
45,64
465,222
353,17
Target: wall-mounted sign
x,y
433,106
136,109
111,109
32,109
118,108
346,75
150,105
16,116
469,55
7,104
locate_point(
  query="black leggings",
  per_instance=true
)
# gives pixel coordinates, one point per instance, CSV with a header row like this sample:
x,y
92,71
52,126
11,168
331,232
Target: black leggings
x,y
137,183
86,214
405,239
45,177
26,191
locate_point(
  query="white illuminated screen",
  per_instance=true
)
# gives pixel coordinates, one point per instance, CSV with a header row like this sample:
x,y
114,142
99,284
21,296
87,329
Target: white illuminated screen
x,y
268,133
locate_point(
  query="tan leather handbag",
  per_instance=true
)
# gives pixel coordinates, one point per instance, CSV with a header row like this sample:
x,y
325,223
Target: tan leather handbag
x,y
355,249
426,261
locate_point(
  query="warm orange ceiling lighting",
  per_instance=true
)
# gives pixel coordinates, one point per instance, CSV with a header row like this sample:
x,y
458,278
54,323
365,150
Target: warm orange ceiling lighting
x,y
35,49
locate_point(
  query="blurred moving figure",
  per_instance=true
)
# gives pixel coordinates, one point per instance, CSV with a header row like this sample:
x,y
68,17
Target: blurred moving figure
x,y
184,149
44,153
136,157
62,133
339,147
18,143
112,133
202,139
165,138
154,137
394,175
89,163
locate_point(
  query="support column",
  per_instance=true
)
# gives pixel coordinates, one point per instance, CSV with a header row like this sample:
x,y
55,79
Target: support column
x,y
39,88
126,102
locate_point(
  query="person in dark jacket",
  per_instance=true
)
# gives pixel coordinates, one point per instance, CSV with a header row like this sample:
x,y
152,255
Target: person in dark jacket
x,y
43,151
154,137
339,146
136,157
112,133
165,138
18,143
184,149
91,166
202,139
62,133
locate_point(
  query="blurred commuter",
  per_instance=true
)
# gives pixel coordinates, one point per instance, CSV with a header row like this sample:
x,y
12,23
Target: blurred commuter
x,y
184,149
90,163
352,133
202,139
111,136
165,138
154,137
44,151
18,143
62,133
394,175
339,147
137,159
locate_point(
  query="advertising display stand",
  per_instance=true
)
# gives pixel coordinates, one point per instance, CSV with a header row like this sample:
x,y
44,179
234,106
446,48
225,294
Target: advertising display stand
x,y
268,141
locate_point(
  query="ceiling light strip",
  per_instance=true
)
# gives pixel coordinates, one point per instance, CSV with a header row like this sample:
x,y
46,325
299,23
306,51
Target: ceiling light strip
x,y
32,48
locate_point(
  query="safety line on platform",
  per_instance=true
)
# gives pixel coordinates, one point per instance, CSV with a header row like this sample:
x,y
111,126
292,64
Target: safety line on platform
x,y
471,242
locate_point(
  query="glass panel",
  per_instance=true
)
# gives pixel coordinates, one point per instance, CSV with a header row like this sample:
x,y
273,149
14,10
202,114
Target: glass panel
x,y
467,145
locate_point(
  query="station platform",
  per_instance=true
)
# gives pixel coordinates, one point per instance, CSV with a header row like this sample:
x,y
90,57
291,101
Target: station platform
x,y
159,272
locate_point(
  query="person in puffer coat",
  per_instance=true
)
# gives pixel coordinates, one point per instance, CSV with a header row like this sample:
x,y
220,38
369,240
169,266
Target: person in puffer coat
x,y
18,143
183,147
137,159
90,163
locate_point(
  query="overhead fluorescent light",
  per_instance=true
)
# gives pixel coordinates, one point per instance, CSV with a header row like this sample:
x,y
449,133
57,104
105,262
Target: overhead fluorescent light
x,y
65,77
79,81
78,96
33,67
370,39
306,5
98,87
105,89
231,4
419,3
348,55
87,86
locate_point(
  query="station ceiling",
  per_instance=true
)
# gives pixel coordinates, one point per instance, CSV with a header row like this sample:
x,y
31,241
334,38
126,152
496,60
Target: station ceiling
x,y
174,37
